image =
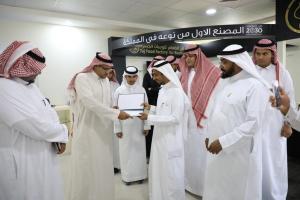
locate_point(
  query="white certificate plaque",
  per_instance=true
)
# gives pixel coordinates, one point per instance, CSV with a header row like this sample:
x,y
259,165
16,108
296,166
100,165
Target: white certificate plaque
x,y
131,103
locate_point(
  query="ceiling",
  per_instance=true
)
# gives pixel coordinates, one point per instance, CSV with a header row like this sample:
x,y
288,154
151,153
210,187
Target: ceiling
x,y
137,15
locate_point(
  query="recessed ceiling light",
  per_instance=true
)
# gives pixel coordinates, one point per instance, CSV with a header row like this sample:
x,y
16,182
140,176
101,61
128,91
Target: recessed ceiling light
x,y
211,11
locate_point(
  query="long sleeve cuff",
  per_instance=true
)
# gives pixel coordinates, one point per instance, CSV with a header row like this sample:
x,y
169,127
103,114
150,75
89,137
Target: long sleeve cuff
x,y
152,109
291,114
229,139
150,119
65,136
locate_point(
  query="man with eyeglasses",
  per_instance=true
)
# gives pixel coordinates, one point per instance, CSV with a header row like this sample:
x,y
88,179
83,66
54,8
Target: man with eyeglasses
x,y
91,159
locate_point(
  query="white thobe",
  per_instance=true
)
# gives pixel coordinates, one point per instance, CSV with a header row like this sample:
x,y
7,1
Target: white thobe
x,y
132,145
194,148
29,168
275,179
293,117
178,73
166,170
92,176
235,173
116,155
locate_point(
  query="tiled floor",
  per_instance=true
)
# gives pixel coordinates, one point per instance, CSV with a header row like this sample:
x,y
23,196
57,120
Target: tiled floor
x,y
294,178
140,191
135,191
122,191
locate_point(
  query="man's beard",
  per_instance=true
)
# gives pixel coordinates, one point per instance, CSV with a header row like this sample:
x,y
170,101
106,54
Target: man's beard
x,y
30,82
191,66
227,74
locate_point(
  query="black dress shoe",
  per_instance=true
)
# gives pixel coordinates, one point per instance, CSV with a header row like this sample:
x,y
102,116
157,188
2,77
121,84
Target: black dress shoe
x,y
116,170
127,183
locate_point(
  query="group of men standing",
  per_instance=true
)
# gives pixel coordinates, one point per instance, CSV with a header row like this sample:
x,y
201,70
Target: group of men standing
x,y
215,133
245,135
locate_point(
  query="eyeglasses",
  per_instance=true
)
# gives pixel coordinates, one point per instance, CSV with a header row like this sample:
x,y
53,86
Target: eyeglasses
x,y
190,55
104,68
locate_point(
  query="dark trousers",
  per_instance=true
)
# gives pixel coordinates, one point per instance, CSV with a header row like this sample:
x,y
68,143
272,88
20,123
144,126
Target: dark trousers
x,y
148,142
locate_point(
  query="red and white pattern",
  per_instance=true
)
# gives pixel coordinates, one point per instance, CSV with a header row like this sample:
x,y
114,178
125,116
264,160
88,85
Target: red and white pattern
x,y
206,78
89,68
275,60
19,65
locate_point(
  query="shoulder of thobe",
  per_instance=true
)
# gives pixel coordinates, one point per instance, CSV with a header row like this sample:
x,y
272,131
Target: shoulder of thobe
x,y
287,83
259,91
15,105
81,78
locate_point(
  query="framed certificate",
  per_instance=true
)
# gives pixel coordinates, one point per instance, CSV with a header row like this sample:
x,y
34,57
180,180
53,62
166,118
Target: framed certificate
x,y
131,103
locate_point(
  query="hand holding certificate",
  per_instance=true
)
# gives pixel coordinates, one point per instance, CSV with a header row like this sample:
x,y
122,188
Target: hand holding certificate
x,y
131,103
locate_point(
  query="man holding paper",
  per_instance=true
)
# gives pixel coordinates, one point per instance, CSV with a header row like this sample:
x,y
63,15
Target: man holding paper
x,y
92,176
169,117
130,97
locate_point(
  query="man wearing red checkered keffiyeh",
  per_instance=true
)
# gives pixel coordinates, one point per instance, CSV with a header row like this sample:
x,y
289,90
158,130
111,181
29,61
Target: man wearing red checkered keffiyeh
x,y
21,59
92,158
31,135
275,180
199,79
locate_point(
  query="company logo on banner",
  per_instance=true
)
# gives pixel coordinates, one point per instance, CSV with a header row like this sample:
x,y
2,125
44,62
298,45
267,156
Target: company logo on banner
x,y
163,49
292,16
287,19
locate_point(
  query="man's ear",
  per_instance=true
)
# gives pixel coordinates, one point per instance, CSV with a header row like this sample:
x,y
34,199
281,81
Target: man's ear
x,y
272,57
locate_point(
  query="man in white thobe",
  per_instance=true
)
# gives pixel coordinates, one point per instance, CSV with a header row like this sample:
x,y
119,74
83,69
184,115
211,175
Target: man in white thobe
x,y
92,176
199,78
234,163
29,129
112,77
174,62
132,132
169,117
152,89
275,179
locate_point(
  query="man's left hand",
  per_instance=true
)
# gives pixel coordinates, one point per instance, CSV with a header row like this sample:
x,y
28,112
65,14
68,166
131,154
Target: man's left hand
x,y
144,116
215,147
284,101
146,132
286,130
60,147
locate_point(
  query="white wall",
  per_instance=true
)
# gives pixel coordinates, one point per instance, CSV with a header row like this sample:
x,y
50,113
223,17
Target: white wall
x,y
67,51
293,66
140,63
